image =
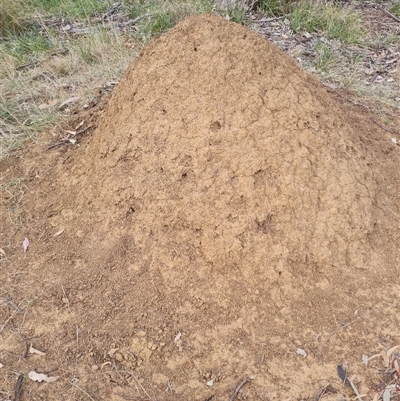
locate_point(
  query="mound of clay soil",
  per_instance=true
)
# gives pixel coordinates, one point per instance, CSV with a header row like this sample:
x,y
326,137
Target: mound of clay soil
x,y
227,219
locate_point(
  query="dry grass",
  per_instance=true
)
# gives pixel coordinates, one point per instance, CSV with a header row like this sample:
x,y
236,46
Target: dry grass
x,y
43,63
31,93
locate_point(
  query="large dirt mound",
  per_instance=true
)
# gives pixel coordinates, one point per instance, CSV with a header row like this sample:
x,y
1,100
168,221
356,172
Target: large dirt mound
x,y
222,147
226,202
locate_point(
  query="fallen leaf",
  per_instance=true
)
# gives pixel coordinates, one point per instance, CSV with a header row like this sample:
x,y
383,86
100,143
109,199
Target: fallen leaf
x,y
79,125
68,101
178,341
39,377
58,233
394,140
2,252
342,373
301,352
386,395
1,365
25,244
35,351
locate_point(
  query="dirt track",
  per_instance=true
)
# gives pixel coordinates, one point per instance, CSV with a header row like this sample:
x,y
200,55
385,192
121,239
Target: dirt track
x,y
225,196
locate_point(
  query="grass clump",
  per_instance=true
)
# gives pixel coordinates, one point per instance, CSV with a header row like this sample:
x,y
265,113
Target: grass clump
x,y
395,8
276,7
340,23
325,56
155,16
16,15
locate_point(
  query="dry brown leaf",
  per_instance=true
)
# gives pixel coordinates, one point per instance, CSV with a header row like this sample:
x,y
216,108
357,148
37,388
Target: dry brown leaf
x,y
79,125
35,351
39,377
68,101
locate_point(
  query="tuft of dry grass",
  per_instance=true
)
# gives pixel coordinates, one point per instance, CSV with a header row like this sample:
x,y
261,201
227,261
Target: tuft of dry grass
x,y
32,90
53,50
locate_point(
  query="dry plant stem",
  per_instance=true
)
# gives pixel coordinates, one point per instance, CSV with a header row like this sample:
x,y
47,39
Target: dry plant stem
x,y
10,318
83,391
324,390
137,19
392,16
137,382
242,383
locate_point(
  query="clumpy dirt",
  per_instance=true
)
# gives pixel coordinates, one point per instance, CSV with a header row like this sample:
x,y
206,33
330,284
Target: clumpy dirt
x,y
227,218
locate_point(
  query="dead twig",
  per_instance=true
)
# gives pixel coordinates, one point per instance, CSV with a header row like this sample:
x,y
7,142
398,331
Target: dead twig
x,y
112,11
12,303
67,140
392,16
242,383
324,390
55,145
137,19
384,128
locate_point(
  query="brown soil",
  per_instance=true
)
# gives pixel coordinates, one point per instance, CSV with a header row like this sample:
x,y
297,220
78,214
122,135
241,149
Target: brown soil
x,y
226,212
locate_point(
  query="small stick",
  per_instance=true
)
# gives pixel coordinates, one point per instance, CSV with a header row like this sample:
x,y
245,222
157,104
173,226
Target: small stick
x,y
384,128
18,386
84,130
63,141
54,145
137,19
392,16
242,383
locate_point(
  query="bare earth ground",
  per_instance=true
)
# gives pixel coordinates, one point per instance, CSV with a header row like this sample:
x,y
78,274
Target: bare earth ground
x,y
226,219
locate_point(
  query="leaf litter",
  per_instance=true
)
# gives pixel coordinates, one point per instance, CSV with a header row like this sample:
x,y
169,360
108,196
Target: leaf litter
x,y
39,377
25,244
